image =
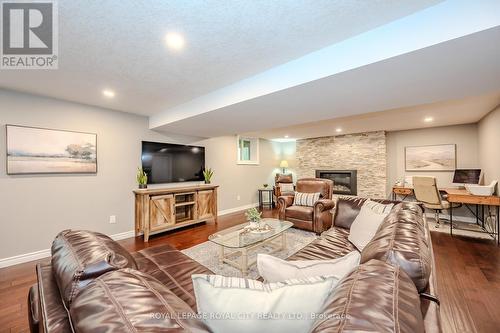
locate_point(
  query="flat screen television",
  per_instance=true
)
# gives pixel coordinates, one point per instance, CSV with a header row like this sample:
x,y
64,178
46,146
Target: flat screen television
x,y
172,163
467,176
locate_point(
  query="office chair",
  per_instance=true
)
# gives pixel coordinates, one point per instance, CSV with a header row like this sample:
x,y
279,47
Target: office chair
x,y
426,192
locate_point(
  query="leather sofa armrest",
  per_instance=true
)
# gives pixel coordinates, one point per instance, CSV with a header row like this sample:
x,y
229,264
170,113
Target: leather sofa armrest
x,y
53,316
34,309
277,191
284,201
323,218
324,204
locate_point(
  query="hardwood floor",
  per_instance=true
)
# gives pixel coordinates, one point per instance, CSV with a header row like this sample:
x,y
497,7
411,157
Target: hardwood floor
x,y
468,272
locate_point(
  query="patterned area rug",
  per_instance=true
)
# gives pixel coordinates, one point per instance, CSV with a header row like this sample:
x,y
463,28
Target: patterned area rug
x,y
207,253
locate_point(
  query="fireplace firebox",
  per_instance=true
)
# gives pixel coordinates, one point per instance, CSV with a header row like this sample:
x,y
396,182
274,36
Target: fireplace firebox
x,y
344,181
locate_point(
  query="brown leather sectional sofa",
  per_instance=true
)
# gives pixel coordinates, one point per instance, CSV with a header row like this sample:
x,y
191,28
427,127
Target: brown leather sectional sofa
x,y
94,285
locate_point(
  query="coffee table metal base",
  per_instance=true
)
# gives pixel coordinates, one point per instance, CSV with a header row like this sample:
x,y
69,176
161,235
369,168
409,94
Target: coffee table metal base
x,y
243,263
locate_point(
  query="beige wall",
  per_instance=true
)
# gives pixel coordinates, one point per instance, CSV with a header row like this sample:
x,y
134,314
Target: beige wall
x,y
286,151
34,208
489,145
239,180
464,136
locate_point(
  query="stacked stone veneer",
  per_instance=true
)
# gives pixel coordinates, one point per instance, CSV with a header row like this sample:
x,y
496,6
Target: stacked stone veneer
x,y
364,152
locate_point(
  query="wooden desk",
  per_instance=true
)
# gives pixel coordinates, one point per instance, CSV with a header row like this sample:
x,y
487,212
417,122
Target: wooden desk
x,y
453,195
464,197
461,196
406,191
401,190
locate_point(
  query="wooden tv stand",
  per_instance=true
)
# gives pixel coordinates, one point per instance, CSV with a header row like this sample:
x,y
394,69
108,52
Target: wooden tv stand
x,y
162,209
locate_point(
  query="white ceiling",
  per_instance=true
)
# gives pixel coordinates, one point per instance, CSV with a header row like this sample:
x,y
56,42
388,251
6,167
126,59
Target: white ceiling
x,y
429,33
462,111
120,45
463,67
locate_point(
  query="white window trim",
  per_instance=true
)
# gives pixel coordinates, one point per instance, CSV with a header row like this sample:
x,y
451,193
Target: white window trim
x,y
255,141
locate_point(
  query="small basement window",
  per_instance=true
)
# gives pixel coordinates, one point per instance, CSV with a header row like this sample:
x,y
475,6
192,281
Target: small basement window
x,y
248,150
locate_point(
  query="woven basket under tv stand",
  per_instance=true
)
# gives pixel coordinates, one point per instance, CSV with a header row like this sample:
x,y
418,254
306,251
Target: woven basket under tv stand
x,y
161,209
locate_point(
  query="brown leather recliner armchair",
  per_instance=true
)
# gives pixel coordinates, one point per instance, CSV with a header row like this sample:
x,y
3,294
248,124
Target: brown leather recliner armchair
x,y
317,218
282,179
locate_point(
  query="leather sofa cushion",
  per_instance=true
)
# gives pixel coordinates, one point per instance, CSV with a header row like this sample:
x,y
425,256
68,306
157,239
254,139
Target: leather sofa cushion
x,y
300,212
401,241
332,244
348,207
375,297
80,256
127,300
414,207
172,268
283,178
315,185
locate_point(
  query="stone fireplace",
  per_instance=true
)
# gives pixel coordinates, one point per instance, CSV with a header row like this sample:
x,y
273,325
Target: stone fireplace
x,y
363,152
344,181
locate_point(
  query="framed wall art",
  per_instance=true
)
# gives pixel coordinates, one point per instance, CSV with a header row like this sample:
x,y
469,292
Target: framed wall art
x,y
32,150
431,158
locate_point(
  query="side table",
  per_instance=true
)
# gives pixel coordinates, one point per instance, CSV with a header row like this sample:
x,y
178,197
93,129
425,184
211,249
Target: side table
x,y
266,202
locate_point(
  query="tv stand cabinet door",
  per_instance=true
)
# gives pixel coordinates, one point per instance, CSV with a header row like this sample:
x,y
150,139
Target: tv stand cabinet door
x,y
161,212
207,204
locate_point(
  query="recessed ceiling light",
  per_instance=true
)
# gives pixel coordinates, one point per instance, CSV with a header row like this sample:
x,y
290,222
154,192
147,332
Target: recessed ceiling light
x,y
108,93
428,119
287,136
174,41
338,130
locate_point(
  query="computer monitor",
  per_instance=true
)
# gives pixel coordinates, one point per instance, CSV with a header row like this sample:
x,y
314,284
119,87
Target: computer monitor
x,y
467,176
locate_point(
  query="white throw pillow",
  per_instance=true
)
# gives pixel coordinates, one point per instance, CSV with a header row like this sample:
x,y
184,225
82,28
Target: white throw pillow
x,y
230,304
286,188
367,222
377,207
274,269
306,199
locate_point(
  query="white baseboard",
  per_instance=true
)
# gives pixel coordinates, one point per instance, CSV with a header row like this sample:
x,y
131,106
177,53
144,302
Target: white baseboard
x,y
22,258
123,235
236,209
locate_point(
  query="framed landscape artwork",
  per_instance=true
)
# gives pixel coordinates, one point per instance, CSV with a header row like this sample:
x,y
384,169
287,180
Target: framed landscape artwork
x,y
431,158
32,150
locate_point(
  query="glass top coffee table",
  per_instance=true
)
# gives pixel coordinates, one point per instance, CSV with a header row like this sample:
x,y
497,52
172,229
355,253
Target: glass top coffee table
x,y
241,240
